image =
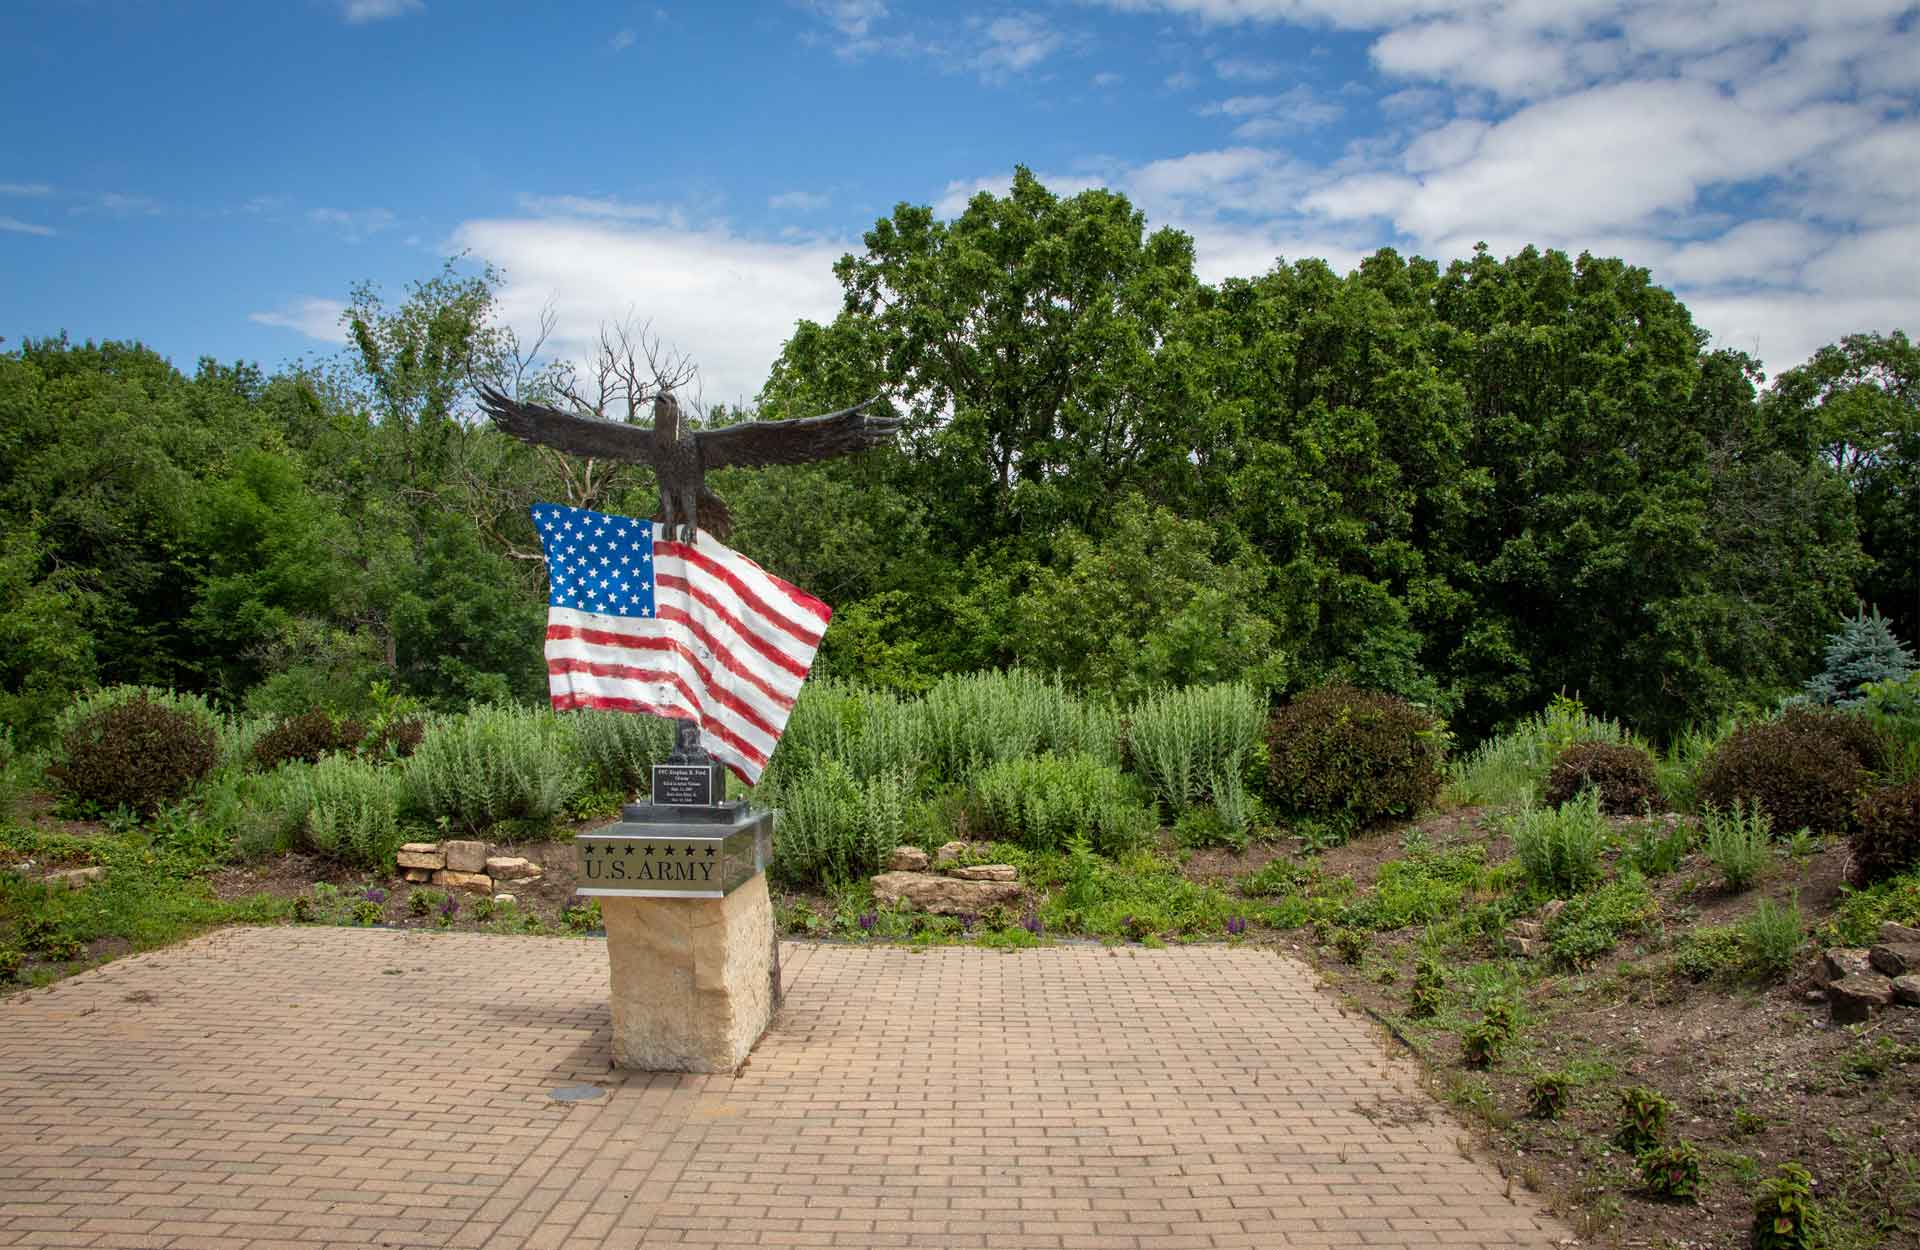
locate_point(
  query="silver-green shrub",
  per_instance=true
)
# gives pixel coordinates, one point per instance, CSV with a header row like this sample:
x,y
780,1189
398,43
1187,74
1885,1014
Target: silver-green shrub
x,y
1044,801
976,720
1559,847
347,810
834,827
494,763
1181,740
1737,842
873,733
619,749
1509,769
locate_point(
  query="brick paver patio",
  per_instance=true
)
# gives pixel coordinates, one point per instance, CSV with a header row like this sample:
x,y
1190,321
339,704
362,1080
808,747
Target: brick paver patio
x,y
302,1087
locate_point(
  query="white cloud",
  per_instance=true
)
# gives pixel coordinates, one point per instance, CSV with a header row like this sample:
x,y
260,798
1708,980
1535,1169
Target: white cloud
x,y
13,225
1014,44
1269,116
315,318
359,11
1245,69
726,302
852,18
353,225
34,189
622,40
798,202
1445,146
953,200
598,206
1179,81
1107,78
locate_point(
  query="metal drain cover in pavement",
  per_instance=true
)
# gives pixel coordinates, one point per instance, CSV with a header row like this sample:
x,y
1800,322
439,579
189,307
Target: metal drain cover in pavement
x,y
576,1093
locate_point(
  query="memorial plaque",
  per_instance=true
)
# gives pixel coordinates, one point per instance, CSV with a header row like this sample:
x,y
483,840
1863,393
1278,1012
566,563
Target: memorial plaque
x,y
684,785
673,860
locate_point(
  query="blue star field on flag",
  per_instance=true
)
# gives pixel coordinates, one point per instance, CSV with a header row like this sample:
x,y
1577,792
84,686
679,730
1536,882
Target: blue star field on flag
x,y
597,562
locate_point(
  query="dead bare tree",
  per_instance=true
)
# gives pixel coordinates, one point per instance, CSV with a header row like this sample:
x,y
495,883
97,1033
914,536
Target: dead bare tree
x,y
629,368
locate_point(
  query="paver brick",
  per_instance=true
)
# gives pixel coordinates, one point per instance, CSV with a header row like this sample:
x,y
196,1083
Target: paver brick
x,y
256,1096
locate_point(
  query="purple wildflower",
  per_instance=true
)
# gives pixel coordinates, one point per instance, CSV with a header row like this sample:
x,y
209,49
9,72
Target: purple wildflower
x,y
868,920
1236,925
966,921
1031,923
449,907
375,894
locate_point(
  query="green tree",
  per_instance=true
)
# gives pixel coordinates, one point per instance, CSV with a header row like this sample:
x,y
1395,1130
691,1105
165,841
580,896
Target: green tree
x,y
1020,338
1857,405
1146,605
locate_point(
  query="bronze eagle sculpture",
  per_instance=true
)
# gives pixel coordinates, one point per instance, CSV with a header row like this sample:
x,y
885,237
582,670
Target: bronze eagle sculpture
x,y
681,457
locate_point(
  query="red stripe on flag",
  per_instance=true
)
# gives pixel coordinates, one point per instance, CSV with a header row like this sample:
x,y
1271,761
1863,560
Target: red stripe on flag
x,y
573,701
773,654
627,672
799,598
657,642
613,703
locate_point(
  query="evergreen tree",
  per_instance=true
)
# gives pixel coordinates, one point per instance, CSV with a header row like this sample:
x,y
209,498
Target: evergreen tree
x,y
1863,650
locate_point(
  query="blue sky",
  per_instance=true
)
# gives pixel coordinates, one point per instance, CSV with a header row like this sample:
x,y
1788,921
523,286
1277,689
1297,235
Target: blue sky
x,y
211,179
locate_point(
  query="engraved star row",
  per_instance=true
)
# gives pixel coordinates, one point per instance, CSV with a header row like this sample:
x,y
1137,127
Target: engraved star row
x,y
609,850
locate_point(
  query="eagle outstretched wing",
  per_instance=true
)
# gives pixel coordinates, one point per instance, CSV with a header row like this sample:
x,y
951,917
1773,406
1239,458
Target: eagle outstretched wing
x,y
795,442
583,436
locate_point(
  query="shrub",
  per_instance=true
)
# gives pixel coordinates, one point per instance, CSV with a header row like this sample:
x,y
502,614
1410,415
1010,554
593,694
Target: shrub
x,y
1429,988
978,719
1547,1095
13,768
1483,1041
620,748
1509,770
1708,952
1623,774
1045,801
1237,806
1803,767
1559,847
306,738
493,764
1655,853
1680,765
1784,1214
139,752
1886,840
1672,1171
872,733
1736,842
834,828
398,739
348,811
1181,741
1591,923
1893,706
1770,939
1862,650
1204,826
1354,752
1643,1119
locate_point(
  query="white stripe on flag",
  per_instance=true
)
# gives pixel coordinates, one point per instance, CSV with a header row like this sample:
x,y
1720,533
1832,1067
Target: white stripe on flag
x,y
730,647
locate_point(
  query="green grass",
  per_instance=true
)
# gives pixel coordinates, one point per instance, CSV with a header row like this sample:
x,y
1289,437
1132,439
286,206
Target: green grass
x,y
152,894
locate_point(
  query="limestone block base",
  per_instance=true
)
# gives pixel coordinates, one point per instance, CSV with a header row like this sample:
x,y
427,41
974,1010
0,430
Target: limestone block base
x,y
692,979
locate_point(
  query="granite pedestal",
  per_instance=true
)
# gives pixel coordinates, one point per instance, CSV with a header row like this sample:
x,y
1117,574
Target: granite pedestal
x,y
690,936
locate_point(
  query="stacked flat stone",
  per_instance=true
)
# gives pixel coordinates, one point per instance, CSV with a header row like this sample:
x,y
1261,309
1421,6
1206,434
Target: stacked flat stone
x,y
951,889
1861,979
461,865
